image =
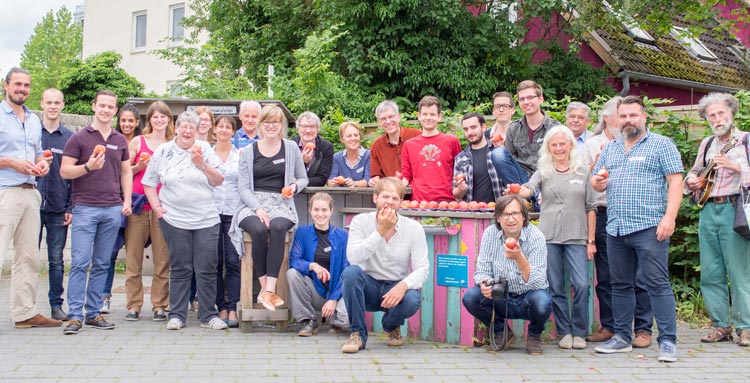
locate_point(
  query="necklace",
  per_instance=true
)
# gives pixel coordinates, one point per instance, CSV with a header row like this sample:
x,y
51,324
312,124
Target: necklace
x,y
562,171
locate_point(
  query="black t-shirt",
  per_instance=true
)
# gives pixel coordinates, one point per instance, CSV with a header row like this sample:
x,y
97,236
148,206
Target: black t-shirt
x,y
482,188
268,172
323,251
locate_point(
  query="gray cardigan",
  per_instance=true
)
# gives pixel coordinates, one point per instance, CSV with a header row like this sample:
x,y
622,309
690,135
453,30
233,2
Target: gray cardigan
x,y
294,172
566,198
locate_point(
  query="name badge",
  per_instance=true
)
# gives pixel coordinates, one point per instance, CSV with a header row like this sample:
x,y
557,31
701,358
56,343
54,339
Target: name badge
x,y
110,146
327,249
637,159
360,170
279,161
56,150
540,139
576,182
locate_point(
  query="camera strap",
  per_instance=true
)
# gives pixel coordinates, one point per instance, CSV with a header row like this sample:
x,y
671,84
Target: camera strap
x,y
493,345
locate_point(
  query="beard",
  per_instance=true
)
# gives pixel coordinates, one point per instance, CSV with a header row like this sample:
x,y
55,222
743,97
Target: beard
x,y
722,128
18,99
631,131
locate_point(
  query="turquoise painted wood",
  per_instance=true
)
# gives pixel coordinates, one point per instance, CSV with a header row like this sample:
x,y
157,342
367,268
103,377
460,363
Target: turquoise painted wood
x,y
427,310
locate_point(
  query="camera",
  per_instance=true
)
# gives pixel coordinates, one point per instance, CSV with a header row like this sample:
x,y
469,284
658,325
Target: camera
x,y
499,287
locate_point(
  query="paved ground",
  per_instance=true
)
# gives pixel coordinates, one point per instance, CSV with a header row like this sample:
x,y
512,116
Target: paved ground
x,y
145,351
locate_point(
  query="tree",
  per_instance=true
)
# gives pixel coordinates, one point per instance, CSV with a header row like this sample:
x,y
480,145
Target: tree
x,y
81,81
53,46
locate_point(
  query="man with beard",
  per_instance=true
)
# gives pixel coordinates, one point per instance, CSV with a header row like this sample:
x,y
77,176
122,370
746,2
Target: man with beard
x,y
723,252
605,131
387,253
643,187
474,177
21,161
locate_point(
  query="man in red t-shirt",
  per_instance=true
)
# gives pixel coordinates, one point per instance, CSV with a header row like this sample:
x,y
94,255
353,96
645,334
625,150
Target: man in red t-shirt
x,y
427,160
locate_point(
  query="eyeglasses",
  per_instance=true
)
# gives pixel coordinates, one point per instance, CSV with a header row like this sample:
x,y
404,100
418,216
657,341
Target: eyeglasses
x,y
388,118
515,215
187,127
271,123
308,127
502,106
527,98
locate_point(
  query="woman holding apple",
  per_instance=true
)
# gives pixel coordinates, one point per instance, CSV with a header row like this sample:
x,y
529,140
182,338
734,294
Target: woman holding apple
x,y
187,170
351,166
568,220
227,199
271,171
316,261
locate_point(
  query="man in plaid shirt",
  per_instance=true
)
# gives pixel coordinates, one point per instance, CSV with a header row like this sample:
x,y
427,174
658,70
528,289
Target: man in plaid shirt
x,y
474,176
644,190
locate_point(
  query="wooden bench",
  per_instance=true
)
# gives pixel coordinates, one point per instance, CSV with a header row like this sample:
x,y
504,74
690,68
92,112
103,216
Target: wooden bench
x,y
248,309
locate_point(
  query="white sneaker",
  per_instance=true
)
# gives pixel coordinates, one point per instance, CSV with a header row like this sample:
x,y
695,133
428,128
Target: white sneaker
x,y
175,324
566,342
215,324
579,343
105,306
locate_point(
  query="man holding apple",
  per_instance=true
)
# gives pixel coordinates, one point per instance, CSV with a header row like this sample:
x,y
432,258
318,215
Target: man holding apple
x,y
96,158
643,180
514,251
21,161
388,265
474,176
56,206
317,152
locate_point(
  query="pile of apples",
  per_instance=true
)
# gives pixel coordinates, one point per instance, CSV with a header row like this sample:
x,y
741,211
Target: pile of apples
x,y
445,205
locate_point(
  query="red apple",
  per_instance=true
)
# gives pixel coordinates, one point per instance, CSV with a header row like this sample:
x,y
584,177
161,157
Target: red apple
x,y
483,205
514,188
497,137
460,177
491,205
511,243
443,205
603,173
404,204
473,205
98,149
414,204
423,204
432,205
286,191
463,205
309,146
339,180
452,205
47,154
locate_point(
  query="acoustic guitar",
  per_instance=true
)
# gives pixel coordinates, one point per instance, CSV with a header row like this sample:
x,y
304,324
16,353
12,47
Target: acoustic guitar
x,y
708,175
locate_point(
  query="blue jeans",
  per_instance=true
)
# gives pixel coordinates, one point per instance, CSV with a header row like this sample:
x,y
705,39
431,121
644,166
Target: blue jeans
x,y
641,255
93,236
57,234
113,262
534,306
229,261
643,316
572,258
509,171
362,292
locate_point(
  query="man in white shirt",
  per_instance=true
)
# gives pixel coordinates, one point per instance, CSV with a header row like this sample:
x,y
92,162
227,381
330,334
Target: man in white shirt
x,y
383,247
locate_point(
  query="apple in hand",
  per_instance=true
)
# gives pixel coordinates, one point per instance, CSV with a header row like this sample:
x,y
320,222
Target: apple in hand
x,y
603,173
309,146
514,188
98,149
145,156
511,243
496,138
287,191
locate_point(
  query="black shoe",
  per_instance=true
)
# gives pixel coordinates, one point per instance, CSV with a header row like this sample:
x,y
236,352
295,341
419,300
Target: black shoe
x,y
502,340
132,316
310,328
99,323
159,316
59,314
73,327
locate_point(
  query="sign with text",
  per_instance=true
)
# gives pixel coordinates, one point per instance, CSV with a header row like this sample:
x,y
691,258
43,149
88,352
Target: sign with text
x,y
452,270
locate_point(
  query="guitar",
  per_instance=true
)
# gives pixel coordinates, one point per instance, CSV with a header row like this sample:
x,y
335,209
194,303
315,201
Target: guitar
x,y
708,175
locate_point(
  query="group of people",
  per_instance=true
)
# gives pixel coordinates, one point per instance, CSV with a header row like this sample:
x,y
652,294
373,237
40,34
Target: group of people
x,y
190,188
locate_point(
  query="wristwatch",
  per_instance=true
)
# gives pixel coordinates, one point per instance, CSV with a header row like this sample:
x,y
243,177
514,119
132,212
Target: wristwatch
x,y
86,168
590,242
203,168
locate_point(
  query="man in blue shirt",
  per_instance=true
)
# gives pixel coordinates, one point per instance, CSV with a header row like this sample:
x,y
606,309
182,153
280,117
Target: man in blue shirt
x,y
248,133
644,190
21,161
55,212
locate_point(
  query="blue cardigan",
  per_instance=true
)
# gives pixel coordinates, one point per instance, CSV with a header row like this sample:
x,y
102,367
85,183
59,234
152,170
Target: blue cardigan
x,y
303,254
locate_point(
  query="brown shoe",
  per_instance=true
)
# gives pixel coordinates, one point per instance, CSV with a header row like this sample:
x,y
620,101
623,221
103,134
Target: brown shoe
x,y
275,300
353,345
602,335
264,298
744,336
534,345
38,320
718,334
394,338
642,339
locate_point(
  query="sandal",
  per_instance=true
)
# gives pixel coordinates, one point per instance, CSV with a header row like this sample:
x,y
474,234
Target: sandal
x,y
718,334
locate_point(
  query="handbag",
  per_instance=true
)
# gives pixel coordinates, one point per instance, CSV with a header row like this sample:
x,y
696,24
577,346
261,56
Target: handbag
x,y
742,205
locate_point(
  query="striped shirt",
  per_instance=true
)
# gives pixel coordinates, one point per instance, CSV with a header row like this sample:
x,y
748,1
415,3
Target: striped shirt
x,y
637,189
492,261
727,181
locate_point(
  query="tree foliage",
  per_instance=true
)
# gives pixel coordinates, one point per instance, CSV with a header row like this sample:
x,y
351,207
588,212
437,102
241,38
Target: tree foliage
x,y
54,44
81,81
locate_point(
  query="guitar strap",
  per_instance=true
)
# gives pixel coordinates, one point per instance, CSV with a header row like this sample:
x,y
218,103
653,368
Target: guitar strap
x,y
705,150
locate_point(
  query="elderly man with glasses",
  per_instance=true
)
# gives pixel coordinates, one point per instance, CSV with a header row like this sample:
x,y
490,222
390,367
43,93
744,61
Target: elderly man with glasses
x,y
317,152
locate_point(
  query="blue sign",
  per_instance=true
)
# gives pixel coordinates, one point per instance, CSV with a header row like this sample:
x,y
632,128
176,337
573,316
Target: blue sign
x,y
452,270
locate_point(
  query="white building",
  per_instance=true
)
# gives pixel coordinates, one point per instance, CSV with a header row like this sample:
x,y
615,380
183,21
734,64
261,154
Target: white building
x,y
136,29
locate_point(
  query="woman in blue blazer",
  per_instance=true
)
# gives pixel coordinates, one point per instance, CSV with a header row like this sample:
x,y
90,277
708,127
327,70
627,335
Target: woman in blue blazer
x,y
317,259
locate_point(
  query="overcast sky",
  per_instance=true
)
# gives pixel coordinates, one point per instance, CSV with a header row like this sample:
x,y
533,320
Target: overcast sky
x,y
17,21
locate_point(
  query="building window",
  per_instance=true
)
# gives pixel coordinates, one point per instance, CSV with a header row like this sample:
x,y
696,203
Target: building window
x,y
693,45
742,53
176,15
139,30
174,88
631,26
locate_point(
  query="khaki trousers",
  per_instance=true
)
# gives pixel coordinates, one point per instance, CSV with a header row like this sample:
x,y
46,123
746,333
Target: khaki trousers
x,y
140,227
19,221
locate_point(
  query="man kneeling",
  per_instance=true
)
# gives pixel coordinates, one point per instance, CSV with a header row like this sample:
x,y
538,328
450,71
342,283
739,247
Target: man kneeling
x,y
382,245
512,260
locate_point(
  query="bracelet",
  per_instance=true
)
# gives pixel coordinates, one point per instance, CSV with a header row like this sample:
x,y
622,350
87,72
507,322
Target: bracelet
x,y
203,168
590,242
86,168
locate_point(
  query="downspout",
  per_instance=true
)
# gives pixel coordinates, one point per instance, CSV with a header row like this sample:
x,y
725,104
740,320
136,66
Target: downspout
x,y
625,84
